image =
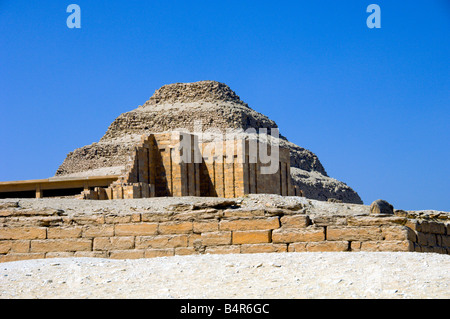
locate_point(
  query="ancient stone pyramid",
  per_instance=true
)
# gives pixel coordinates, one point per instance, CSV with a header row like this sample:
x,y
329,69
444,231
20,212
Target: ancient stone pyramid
x,y
183,106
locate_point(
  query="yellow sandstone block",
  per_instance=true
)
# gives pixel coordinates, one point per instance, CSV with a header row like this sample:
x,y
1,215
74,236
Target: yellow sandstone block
x,y
15,257
385,245
327,246
161,241
216,238
23,233
60,245
14,246
206,226
295,221
140,229
250,224
251,237
64,232
185,251
113,243
354,233
231,249
263,248
175,228
298,235
398,233
98,231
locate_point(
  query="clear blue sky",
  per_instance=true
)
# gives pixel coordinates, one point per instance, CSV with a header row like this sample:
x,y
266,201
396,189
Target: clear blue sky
x,y
373,104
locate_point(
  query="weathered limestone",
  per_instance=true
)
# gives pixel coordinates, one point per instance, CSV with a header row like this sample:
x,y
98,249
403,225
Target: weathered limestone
x,y
381,207
181,106
217,226
159,167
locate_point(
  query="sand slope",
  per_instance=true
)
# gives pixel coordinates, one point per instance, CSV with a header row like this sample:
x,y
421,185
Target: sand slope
x,y
281,275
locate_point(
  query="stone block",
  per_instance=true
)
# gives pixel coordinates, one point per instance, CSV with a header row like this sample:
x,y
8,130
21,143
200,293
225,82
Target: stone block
x,y
432,227
250,224
126,254
354,233
216,238
16,257
60,245
445,241
98,231
355,246
23,233
413,224
64,232
298,235
117,219
161,241
251,237
196,215
329,220
88,219
231,249
273,211
381,207
385,245
136,218
156,216
297,247
398,233
375,220
113,243
194,240
263,248
175,228
206,226
327,246
426,239
295,221
14,246
243,213
140,229
185,251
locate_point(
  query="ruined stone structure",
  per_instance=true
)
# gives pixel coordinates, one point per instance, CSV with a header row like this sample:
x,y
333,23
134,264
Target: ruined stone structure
x,y
163,227
157,156
207,108
216,109
159,168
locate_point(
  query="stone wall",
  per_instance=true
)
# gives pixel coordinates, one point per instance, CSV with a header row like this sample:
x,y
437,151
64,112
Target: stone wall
x,y
157,161
218,227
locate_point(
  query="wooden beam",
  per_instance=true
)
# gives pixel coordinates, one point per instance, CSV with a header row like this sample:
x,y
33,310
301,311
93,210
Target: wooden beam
x,y
39,185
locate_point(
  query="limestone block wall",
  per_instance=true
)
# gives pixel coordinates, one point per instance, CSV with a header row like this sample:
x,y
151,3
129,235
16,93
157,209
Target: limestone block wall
x,y
202,229
176,164
156,169
231,170
223,169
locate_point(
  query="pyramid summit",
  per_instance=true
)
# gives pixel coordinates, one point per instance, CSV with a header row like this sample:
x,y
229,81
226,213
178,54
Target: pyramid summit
x,y
182,105
206,91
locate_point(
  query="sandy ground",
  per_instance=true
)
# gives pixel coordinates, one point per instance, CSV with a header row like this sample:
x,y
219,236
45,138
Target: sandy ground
x,y
278,275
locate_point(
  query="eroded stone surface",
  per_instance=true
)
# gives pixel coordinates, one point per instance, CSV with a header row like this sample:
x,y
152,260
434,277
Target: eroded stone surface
x,y
216,108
